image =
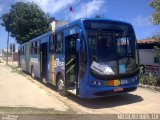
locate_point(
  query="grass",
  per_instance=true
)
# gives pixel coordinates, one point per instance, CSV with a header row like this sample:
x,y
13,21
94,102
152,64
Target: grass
x,y
31,110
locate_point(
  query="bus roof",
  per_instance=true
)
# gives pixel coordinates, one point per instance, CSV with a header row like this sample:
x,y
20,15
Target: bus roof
x,y
75,22
79,21
38,37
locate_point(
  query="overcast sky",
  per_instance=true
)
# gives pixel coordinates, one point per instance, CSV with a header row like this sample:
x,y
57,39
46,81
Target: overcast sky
x,y
136,12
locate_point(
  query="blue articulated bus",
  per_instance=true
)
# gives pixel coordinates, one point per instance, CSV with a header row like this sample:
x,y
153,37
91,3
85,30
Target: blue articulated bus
x,y
87,57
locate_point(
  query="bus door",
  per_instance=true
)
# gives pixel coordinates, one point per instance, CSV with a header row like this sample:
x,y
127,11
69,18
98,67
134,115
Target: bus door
x,y
71,63
43,60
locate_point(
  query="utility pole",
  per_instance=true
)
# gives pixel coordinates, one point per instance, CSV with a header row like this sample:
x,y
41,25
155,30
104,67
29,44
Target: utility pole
x,y
7,49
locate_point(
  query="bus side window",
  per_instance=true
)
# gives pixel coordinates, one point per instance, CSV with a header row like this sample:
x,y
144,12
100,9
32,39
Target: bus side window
x,y
35,47
38,47
31,50
51,39
24,50
59,43
21,50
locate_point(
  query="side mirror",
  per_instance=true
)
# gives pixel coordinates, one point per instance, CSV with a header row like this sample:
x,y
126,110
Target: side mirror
x,y
78,45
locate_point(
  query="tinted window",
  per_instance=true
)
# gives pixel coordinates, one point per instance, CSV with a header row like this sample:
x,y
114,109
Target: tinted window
x,y
59,43
83,58
51,38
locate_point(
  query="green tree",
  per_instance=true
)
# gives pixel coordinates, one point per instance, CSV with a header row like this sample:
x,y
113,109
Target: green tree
x,y
157,47
155,4
25,21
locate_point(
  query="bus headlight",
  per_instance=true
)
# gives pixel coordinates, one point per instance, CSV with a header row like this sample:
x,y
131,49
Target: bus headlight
x,y
98,83
94,82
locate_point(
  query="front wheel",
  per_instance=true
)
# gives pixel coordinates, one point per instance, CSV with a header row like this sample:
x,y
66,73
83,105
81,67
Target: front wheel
x,y
61,87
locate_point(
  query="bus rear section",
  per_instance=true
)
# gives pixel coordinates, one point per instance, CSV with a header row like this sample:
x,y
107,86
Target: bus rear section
x,y
24,56
113,63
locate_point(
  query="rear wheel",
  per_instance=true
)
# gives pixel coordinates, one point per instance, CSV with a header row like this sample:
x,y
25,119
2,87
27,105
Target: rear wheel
x,y
32,72
60,86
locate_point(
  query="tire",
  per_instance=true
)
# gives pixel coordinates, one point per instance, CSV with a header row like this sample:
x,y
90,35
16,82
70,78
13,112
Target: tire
x,y
60,86
32,72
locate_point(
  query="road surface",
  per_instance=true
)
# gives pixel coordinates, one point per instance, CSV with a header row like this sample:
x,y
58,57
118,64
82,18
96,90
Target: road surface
x,y
17,91
20,90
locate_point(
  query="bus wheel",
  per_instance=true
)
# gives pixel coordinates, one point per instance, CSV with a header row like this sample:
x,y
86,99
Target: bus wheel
x,y
32,72
61,87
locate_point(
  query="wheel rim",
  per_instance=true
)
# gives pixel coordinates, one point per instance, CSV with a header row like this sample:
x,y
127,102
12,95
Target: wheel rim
x,y
60,85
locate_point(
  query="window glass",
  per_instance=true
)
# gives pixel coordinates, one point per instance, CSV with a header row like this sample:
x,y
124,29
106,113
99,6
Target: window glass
x,y
24,50
32,48
38,47
83,58
52,43
123,46
21,50
35,48
92,40
59,45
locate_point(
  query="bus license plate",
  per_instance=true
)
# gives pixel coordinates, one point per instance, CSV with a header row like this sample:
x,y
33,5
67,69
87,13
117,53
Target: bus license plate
x,y
118,89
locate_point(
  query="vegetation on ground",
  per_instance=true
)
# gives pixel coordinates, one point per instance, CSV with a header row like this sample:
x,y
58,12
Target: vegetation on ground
x,y
31,110
149,80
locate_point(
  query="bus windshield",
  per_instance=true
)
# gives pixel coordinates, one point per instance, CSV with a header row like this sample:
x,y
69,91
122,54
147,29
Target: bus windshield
x,y
112,49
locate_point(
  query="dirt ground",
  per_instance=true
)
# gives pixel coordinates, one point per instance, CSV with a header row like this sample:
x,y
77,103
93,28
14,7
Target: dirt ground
x,y
18,89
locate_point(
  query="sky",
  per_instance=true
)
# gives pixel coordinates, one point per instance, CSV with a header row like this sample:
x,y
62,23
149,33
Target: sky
x,y
136,12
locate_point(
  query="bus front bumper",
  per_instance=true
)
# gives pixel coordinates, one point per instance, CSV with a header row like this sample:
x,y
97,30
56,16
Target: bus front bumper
x,y
102,91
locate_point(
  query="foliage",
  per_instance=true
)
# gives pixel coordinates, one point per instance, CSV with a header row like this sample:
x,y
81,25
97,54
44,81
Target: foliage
x,y
155,4
157,47
157,37
25,21
157,53
149,79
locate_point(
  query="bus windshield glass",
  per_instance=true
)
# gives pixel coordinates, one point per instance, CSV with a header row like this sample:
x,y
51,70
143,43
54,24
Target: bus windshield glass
x,y
112,48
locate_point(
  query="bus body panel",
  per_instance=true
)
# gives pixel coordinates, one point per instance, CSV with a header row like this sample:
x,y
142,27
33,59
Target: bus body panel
x,y
88,91
23,58
23,62
55,63
59,66
35,63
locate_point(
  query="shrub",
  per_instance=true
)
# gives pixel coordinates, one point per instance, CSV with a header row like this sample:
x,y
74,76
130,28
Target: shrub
x,y
149,79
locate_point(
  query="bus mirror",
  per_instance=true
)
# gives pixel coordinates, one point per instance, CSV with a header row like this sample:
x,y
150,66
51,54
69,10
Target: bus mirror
x,y
78,44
